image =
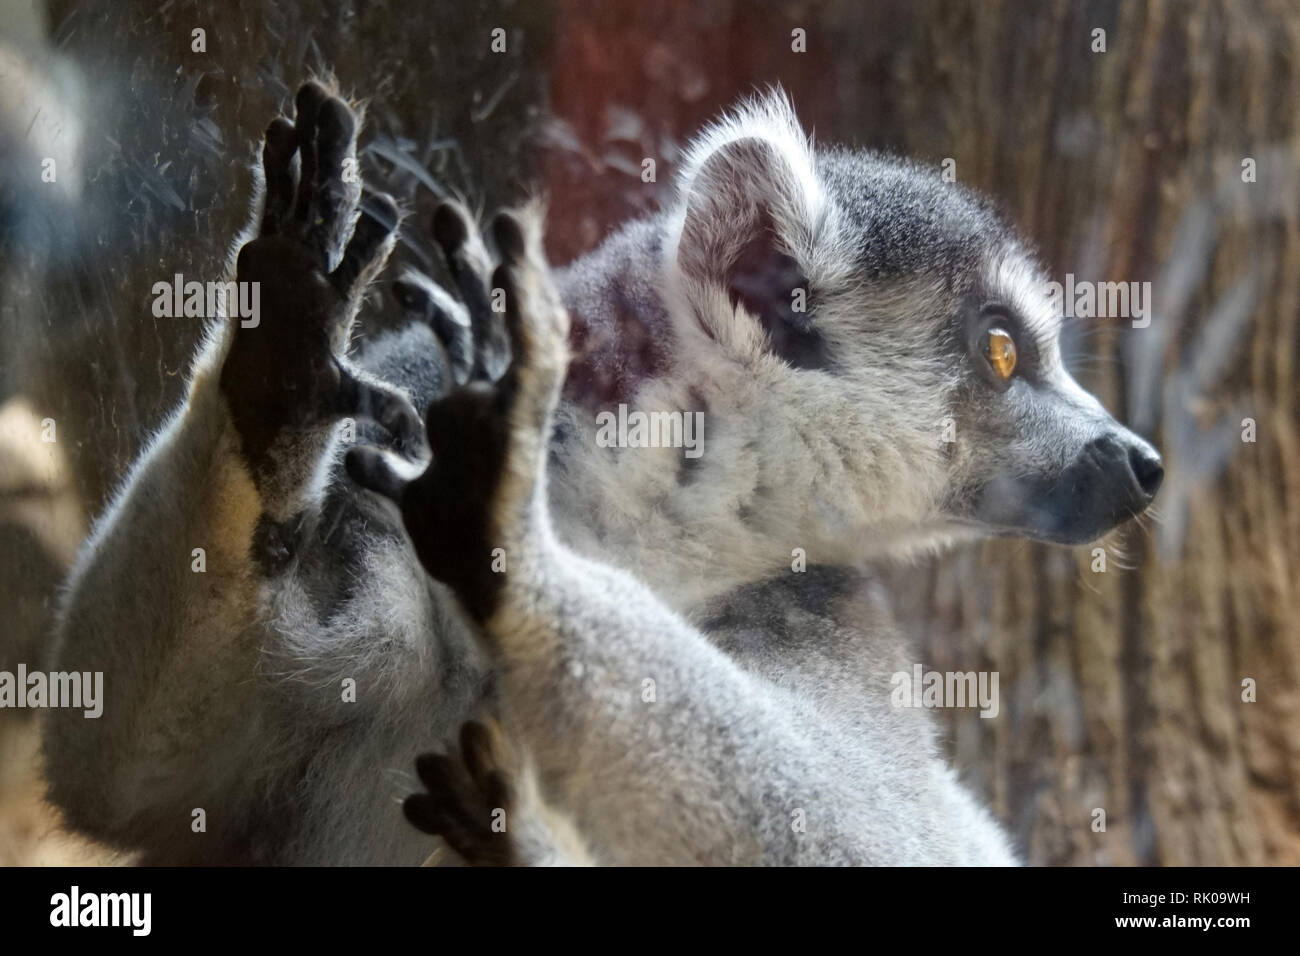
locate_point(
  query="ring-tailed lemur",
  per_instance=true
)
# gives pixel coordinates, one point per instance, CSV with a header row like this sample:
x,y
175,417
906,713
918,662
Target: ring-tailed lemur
x,y
669,690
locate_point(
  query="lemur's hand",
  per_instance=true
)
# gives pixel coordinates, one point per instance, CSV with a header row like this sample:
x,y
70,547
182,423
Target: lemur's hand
x,y
470,796
484,488
318,247
471,333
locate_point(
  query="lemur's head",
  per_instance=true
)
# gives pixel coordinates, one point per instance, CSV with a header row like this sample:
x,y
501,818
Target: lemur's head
x,y
906,334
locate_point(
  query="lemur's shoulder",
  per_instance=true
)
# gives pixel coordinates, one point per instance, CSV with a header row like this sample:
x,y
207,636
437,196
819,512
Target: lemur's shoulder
x,y
621,331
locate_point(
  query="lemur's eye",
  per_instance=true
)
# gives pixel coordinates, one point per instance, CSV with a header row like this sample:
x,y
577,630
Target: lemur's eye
x,y
1000,349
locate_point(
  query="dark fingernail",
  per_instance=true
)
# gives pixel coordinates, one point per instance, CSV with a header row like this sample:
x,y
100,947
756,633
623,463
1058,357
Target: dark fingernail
x,y
308,100
335,122
449,229
509,236
280,136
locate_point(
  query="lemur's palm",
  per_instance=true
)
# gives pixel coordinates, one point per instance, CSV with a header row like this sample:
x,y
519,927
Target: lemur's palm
x,y
488,435
318,247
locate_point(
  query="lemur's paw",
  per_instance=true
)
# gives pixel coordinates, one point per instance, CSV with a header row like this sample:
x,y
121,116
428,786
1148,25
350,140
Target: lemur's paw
x,y
471,331
475,506
319,245
470,796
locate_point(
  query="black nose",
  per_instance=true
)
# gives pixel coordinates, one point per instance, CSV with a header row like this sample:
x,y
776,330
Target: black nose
x,y
1147,469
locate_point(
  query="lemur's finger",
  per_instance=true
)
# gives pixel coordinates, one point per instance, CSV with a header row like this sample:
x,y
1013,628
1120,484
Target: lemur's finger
x,y
387,406
503,278
461,809
366,466
419,294
516,266
449,785
466,258
461,417
498,789
423,813
306,105
429,302
468,263
457,809
428,814
508,232
378,221
439,773
277,169
520,338
333,199
536,324
471,839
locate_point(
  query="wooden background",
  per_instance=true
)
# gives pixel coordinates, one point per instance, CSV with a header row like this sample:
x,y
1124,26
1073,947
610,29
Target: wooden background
x,y
1121,690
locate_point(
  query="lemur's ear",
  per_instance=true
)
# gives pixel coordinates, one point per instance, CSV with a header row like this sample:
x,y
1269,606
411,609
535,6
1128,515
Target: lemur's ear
x,y
751,209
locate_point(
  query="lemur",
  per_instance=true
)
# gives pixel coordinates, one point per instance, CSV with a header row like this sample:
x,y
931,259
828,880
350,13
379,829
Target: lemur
x,y
660,686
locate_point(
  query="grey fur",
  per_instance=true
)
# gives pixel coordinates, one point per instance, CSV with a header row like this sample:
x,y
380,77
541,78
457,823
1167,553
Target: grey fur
x,y
772,688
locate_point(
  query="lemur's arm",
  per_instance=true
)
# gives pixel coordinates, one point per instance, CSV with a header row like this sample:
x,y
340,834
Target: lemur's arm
x,y
237,472
654,741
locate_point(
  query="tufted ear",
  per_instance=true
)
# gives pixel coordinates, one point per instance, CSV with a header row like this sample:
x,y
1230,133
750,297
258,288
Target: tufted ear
x,y
751,208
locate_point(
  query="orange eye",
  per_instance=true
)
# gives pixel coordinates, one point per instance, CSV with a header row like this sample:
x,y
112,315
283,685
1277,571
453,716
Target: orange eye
x,y
1000,348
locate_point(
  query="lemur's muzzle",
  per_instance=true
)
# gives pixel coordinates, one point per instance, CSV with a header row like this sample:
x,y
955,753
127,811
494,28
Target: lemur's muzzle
x,y
1113,478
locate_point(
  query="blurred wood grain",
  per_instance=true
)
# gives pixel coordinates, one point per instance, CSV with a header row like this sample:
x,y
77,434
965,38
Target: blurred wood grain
x,y
1121,690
